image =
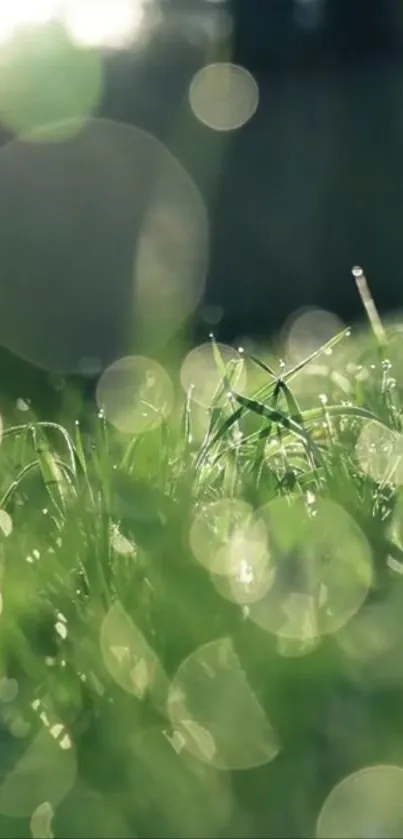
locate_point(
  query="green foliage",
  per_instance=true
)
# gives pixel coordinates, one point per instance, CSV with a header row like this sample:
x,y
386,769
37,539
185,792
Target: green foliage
x,y
112,617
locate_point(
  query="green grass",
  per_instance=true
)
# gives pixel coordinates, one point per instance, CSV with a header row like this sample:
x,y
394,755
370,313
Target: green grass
x,y
175,705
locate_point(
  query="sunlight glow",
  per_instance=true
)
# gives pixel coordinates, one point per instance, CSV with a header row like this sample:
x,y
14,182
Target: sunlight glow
x,y
215,711
23,12
89,22
104,22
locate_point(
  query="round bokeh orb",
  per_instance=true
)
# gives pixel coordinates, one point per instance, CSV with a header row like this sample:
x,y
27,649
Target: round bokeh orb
x,y
201,375
135,394
103,239
367,803
322,570
224,96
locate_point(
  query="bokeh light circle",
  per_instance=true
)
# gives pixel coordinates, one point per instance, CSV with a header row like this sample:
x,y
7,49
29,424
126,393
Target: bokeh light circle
x,y
201,375
48,86
379,453
224,96
221,531
87,225
135,394
367,803
322,569
229,540
308,330
41,821
130,660
215,712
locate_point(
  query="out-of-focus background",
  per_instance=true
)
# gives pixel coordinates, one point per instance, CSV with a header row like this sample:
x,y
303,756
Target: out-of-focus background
x,y
261,161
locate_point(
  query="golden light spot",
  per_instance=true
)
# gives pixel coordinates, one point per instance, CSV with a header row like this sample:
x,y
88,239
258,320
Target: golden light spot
x,y
322,570
212,706
367,803
48,86
44,771
379,452
224,96
129,658
201,374
135,394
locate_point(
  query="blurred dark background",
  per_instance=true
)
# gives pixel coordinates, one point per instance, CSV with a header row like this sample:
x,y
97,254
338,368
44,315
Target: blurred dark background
x,y
309,187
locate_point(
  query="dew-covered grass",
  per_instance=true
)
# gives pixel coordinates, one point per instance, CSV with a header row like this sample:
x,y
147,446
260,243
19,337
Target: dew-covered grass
x,y
201,628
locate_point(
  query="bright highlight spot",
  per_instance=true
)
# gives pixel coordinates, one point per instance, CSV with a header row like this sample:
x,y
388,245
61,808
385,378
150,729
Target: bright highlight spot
x,y
224,96
44,771
322,570
111,23
367,803
213,708
129,658
379,452
201,374
6,523
24,12
135,394
120,544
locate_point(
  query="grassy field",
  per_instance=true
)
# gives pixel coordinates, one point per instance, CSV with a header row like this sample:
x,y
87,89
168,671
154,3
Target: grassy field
x,y
201,629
